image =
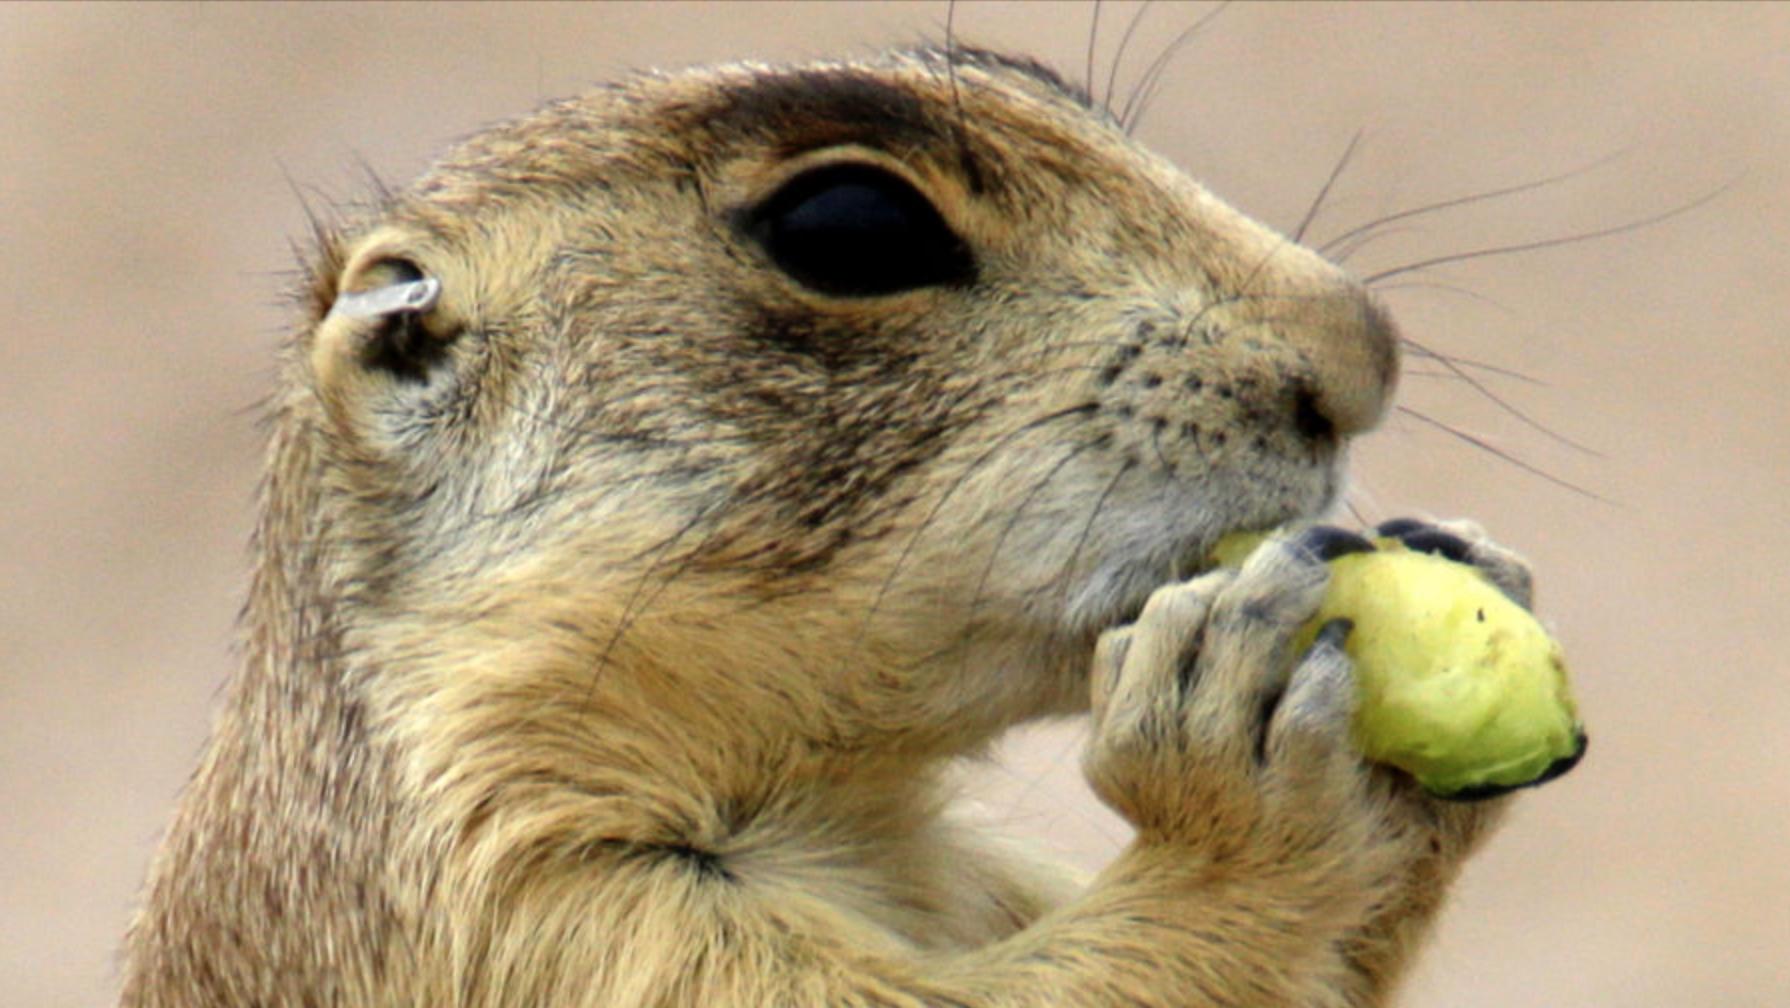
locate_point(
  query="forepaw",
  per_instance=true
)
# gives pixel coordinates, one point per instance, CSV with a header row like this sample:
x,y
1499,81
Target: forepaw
x,y
1208,730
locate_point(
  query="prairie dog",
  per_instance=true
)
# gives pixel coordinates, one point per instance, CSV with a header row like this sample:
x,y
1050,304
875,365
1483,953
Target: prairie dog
x,y
753,442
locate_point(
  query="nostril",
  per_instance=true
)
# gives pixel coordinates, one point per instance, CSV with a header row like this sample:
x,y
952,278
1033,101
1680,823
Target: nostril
x,y
1308,418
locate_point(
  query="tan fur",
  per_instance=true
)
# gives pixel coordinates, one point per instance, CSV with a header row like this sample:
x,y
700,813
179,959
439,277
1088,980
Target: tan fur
x,y
617,661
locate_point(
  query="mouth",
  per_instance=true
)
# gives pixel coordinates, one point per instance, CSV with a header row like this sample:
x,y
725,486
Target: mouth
x,y
1115,593
1103,570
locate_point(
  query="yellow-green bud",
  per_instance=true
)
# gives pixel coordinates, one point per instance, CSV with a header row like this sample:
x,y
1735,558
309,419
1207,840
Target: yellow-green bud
x,y
1456,684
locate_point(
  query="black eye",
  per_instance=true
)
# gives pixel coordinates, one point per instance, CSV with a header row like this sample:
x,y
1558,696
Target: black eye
x,y
855,231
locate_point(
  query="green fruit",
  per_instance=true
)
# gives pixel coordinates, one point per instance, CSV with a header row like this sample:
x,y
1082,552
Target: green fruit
x,y
1456,684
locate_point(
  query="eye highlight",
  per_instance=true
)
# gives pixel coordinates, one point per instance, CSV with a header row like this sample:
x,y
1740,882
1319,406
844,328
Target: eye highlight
x,y
855,230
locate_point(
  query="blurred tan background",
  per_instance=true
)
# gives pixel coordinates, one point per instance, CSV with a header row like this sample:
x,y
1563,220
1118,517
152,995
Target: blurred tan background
x,y
149,158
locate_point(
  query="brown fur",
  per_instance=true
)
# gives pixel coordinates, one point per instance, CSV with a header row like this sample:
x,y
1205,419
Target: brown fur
x,y
614,660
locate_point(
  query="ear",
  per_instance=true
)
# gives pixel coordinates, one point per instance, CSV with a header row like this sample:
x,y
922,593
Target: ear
x,y
389,330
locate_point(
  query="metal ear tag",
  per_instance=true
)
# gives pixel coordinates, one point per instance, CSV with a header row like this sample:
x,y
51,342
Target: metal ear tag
x,y
412,297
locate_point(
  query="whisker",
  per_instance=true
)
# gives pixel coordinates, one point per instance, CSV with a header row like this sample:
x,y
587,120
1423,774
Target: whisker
x,y
1067,571
1145,89
1018,513
1547,243
1460,201
1448,288
1440,374
960,134
1363,505
1311,212
1093,41
638,601
1497,400
994,551
1467,362
1484,445
1112,71
1354,246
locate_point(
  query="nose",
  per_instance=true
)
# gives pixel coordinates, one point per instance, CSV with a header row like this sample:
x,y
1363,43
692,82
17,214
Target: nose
x,y
1350,345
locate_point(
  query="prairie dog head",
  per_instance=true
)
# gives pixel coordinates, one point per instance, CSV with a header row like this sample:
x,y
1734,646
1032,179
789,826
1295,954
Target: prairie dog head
x,y
848,402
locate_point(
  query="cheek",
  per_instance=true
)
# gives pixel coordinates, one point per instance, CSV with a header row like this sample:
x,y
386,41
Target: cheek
x,y
828,455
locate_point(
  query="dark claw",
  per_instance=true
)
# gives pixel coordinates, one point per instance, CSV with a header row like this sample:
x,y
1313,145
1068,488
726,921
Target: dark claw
x,y
1334,634
1426,538
1398,528
1560,766
1327,542
1555,769
1440,543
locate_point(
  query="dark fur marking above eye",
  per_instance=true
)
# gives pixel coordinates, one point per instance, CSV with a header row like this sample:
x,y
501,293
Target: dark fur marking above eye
x,y
988,59
814,108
